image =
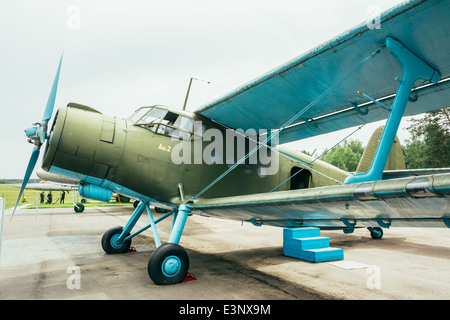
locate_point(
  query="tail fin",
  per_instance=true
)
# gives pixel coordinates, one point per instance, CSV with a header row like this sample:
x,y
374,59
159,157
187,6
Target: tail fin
x,y
396,160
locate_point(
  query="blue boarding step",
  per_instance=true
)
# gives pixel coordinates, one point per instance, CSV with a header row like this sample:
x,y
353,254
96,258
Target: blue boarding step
x,y
307,244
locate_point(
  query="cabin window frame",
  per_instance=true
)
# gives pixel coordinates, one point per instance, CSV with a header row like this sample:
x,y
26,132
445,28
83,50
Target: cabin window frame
x,y
167,123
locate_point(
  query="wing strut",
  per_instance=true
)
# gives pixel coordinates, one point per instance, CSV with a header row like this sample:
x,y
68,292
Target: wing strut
x,y
414,68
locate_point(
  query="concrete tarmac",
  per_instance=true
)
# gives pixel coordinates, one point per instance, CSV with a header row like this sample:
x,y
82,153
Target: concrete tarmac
x,y
58,255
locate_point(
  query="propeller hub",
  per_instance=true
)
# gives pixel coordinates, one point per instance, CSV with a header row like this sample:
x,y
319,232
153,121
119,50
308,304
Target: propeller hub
x,y
37,133
34,135
31,132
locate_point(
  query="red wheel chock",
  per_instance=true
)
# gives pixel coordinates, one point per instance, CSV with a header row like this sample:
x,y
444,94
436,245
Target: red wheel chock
x,y
189,277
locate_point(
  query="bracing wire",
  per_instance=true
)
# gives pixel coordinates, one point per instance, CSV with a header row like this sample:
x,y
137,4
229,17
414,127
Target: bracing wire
x,y
289,122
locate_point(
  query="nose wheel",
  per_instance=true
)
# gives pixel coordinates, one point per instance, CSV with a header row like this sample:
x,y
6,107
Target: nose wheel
x,y
78,208
169,263
111,242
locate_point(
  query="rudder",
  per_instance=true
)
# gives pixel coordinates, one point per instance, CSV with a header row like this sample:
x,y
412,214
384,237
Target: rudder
x,y
396,160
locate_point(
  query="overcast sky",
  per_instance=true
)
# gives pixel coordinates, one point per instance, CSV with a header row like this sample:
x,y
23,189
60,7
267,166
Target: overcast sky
x,y
121,55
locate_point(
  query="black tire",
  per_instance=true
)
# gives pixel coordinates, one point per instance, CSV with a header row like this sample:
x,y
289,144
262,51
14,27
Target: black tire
x,y
161,210
124,199
78,208
376,233
136,203
168,264
112,247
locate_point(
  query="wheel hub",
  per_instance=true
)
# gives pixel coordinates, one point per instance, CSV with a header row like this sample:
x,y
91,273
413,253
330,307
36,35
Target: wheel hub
x,y
115,243
171,266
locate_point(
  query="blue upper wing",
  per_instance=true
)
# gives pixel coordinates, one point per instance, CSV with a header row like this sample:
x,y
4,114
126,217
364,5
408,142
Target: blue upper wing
x,y
319,89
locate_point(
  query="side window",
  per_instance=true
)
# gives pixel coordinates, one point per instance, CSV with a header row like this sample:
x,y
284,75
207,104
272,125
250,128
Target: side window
x,y
176,126
164,122
184,123
166,126
184,127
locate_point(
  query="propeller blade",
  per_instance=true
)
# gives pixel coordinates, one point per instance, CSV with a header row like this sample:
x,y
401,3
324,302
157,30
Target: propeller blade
x,y
51,98
31,164
37,134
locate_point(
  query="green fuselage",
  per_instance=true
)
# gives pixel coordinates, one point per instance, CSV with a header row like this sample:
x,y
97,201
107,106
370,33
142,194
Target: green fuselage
x,y
89,143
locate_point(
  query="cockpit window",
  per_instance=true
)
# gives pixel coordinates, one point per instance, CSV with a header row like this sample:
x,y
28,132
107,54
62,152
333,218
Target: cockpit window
x,y
164,122
135,117
154,115
184,123
170,118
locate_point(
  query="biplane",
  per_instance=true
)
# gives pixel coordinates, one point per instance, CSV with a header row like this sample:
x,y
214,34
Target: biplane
x,y
172,158
53,182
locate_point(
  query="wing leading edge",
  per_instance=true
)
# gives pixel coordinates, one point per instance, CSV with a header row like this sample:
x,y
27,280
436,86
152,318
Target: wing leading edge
x,y
324,82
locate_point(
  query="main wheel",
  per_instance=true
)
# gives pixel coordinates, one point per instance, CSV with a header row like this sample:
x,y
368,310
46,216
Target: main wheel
x,y
376,233
111,243
168,264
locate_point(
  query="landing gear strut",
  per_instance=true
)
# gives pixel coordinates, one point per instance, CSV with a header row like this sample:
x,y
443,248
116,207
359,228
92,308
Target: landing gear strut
x,y
169,263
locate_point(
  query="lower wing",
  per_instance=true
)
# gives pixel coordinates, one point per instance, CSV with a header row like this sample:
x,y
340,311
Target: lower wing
x,y
415,201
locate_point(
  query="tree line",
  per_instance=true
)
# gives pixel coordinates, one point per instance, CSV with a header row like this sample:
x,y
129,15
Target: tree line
x,y
428,147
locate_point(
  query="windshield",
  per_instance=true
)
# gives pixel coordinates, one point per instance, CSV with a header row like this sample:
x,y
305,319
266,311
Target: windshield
x,y
162,121
138,114
154,115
